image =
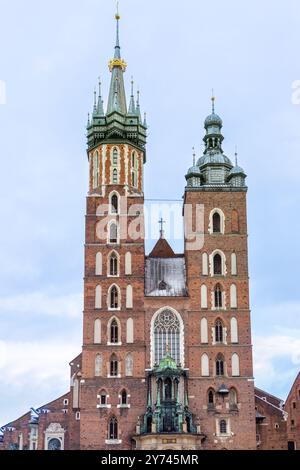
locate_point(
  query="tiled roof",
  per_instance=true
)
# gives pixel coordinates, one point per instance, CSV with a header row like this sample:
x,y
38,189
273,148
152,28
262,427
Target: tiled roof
x,y
162,249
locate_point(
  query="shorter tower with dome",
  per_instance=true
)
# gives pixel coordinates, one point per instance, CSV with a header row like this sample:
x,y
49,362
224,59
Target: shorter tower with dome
x,y
214,168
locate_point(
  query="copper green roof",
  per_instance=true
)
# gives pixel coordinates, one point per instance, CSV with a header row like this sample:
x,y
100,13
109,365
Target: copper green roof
x,y
167,363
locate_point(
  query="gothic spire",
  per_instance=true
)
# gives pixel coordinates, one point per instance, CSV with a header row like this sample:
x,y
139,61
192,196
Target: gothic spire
x,y
145,120
100,110
117,46
95,103
131,109
138,109
117,67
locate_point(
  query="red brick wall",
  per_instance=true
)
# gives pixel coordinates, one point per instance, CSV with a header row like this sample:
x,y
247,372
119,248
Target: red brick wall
x,y
292,407
271,432
242,422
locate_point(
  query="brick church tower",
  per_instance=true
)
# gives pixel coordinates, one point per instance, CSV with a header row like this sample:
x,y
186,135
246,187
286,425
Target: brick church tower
x,y
113,354
219,351
166,356
166,360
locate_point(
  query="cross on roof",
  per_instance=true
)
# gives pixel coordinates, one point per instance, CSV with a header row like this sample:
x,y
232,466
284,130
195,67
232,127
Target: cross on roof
x,y
161,223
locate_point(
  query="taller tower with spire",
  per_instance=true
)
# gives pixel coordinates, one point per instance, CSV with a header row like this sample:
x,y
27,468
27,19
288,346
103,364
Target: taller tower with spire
x,y
113,353
119,125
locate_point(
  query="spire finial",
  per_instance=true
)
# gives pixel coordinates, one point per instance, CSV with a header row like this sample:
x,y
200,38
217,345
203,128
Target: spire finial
x,y
194,156
132,83
161,230
117,46
138,110
117,66
236,156
95,101
117,16
117,61
212,101
117,12
99,85
131,109
100,110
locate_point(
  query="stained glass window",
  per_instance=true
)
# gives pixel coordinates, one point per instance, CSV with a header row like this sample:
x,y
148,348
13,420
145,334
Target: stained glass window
x,y
166,336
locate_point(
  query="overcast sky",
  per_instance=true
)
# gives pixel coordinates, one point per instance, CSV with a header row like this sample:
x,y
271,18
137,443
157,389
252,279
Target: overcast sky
x,y
51,55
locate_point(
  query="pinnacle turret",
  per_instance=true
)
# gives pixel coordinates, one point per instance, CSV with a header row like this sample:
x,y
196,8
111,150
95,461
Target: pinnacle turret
x,y
131,109
100,110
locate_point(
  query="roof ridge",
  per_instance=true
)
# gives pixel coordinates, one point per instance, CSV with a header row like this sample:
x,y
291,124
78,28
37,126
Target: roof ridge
x,y
269,403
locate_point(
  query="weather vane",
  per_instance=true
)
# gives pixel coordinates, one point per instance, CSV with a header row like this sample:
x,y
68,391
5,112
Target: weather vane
x,y
117,14
213,100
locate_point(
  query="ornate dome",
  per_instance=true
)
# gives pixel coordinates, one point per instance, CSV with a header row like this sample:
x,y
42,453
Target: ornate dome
x,y
194,170
236,170
213,119
219,158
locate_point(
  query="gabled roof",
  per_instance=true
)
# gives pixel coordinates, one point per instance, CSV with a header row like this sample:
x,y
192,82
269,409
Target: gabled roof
x,y
162,249
293,386
275,401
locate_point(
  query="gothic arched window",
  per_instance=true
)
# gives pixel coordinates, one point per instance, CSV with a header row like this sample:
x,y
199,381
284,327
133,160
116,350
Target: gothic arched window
x,y
133,159
219,331
115,175
115,157
223,426
124,397
166,336
103,397
113,429
114,331
217,264
113,264
216,222
220,365
218,296
114,204
113,369
114,298
211,397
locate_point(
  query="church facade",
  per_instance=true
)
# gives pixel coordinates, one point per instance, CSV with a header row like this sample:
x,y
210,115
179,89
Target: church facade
x,y
166,360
